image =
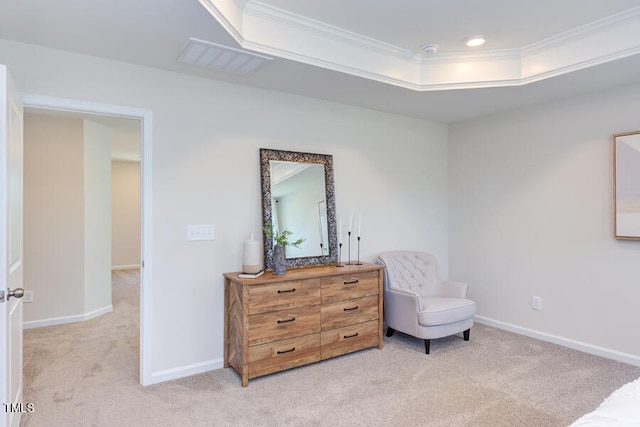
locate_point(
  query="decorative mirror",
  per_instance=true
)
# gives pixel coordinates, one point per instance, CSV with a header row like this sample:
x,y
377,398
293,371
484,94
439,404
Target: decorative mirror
x,y
298,195
626,185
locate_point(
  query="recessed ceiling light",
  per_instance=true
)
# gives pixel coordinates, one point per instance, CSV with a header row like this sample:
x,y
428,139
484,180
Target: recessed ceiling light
x,y
475,41
430,49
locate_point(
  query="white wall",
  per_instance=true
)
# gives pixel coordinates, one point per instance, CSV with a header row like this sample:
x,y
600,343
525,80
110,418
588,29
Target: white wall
x,y
125,210
206,140
531,214
53,217
97,217
67,225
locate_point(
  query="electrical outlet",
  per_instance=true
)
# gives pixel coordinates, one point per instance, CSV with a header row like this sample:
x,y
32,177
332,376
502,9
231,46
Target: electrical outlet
x,y
28,296
536,303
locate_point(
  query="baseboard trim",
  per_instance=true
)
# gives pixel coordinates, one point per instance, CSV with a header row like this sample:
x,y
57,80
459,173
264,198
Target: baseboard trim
x,y
125,267
67,319
566,342
185,371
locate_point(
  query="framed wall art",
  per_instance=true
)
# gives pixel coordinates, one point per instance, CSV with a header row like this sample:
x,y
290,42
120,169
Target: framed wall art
x,y
626,185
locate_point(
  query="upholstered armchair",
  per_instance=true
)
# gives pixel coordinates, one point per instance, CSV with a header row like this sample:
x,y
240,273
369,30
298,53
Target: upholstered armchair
x,y
417,303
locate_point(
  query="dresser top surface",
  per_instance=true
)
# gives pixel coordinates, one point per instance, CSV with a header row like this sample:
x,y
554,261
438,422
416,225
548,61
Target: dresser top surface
x,y
304,273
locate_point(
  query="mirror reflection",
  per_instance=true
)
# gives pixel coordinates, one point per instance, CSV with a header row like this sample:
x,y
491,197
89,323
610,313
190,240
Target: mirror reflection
x,y
298,195
298,204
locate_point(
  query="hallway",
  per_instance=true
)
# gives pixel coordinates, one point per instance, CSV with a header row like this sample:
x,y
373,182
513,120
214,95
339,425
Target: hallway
x,y
66,367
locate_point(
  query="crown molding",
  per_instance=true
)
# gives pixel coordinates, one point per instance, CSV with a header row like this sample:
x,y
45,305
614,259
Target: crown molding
x,y
580,65
266,29
609,39
339,35
337,66
228,14
466,57
495,68
630,16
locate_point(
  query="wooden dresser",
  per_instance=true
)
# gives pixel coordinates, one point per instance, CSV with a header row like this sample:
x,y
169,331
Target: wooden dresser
x,y
277,322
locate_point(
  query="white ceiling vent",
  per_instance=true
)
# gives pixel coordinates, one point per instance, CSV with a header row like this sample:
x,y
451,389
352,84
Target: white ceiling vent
x,y
221,58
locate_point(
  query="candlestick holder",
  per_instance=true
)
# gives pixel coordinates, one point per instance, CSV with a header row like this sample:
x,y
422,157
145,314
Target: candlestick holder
x,y
358,262
340,264
349,248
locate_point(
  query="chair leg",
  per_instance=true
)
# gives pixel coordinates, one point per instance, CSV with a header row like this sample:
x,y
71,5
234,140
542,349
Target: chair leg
x,y
427,345
390,331
465,334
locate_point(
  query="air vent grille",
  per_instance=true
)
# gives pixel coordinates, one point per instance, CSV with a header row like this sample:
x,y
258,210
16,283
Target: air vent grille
x,y
221,58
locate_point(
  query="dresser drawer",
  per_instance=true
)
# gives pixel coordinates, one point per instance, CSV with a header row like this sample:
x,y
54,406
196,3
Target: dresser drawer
x,y
349,285
278,355
284,295
348,339
277,322
277,325
343,313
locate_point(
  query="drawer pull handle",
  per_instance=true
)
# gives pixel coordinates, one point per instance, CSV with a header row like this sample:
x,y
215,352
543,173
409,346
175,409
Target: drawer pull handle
x,y
351,282
287,291
350,336
287,320
350,308
287,351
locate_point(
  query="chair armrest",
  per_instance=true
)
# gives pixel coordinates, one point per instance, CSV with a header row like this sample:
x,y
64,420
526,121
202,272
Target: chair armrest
x,y
401,307
406,295
451,289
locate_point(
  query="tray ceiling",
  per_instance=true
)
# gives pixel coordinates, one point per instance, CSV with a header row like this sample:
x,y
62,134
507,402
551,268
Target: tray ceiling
x,y
363,53
374,42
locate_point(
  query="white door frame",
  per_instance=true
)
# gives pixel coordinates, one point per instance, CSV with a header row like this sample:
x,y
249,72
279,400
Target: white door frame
x,y
146,247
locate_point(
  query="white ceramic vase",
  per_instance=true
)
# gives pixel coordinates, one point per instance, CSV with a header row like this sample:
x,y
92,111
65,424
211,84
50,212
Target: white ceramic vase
x,y
251,263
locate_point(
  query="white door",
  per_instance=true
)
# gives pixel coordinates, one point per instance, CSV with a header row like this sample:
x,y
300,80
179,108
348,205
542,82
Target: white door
x,y
10,253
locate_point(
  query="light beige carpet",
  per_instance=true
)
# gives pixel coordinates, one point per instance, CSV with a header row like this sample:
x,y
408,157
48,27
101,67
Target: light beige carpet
x,y
87,375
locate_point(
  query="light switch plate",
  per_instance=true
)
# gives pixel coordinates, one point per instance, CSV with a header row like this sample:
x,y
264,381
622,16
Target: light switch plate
x,y
200,232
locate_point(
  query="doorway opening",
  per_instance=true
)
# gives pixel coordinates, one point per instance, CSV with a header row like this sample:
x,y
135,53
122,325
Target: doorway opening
x,y
107,115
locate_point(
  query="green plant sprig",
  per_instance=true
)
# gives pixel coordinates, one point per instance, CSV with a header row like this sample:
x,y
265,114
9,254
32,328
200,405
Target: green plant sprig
x,y
281,238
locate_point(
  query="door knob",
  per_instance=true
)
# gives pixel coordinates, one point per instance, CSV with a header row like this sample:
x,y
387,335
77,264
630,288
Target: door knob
x,y
16,293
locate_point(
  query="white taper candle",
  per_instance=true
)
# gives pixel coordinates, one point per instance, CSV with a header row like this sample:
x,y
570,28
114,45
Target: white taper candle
x,y
351,221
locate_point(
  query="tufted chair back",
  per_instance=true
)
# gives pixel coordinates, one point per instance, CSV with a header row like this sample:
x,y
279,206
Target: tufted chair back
x,y
417,271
